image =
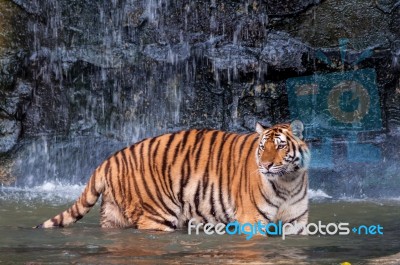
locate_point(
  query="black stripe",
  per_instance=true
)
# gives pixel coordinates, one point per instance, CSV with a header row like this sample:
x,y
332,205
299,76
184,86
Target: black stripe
x,y
76,214
199,147
133,163
277,193
185,139
135,184
206,175
219,171
185,174
197,202
124,178
181,182
143,175
87,205
199,135
247,180
299,186
244,142
171,187
302,197
249,154
252,199
231,166
298,217
176,153
166,149
243,174
117,176
212,202
56,222
161,178
153,179
83,200
109,180
150,209
179,147
132,149
92,184
219,154
211,156
163,222
191,210
281,190
265,198
129,177
206,178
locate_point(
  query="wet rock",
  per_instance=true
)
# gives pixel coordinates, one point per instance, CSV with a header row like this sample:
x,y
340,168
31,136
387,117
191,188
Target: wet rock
x,y
115,57
12,93
7,175
324,24
288,7
233,56
395,22
9,67
31,7
167,53
12,43
12,111
10,130
387,6
282,51
15,103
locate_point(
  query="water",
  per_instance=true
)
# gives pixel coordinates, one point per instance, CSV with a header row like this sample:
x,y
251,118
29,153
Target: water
x,y
86,243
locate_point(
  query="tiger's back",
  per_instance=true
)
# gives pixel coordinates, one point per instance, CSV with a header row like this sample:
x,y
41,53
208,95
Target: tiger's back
x,y
162,182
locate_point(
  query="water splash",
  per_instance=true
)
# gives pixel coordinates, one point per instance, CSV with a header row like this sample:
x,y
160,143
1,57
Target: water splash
x,y
318,195
54,193
60,192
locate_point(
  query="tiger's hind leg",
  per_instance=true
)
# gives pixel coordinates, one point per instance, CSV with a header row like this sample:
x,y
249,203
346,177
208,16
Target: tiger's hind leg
x,y
151,222
112,216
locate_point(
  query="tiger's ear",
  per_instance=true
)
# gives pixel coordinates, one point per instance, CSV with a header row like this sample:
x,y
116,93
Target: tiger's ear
x,y
297,128
259,128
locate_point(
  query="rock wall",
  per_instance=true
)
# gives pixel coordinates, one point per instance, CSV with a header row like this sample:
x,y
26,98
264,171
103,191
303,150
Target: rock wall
x,y
112,72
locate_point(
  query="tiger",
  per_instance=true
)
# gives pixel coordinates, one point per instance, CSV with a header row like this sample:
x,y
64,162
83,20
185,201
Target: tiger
x,y
208,175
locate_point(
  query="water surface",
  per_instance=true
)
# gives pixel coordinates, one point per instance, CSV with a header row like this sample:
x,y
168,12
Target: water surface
x,y
86,243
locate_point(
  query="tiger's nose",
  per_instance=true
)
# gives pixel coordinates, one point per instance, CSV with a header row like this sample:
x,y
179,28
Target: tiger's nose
x,y
267,165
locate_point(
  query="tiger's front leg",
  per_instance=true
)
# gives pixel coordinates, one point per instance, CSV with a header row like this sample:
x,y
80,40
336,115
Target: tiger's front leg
x,y
294,219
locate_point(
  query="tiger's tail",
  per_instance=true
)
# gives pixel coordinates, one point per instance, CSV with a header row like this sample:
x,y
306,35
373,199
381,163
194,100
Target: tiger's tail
x,y
82,206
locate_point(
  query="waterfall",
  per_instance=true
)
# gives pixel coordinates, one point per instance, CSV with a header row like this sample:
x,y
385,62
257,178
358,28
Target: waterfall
x,y
82,79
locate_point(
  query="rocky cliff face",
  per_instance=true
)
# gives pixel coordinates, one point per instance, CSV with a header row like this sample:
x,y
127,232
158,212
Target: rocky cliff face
x,y
82,78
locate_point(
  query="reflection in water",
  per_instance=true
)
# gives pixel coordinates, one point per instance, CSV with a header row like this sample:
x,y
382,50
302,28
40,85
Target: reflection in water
x,y
86,243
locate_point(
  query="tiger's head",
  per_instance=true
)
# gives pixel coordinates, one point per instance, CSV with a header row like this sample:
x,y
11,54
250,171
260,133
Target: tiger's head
x,y
281,150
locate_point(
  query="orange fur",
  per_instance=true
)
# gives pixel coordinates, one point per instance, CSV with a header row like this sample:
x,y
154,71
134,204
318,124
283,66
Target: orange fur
x,y
213,176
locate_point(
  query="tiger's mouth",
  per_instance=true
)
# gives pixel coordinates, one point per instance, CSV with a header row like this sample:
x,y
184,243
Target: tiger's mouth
x,y
274,171
280,171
